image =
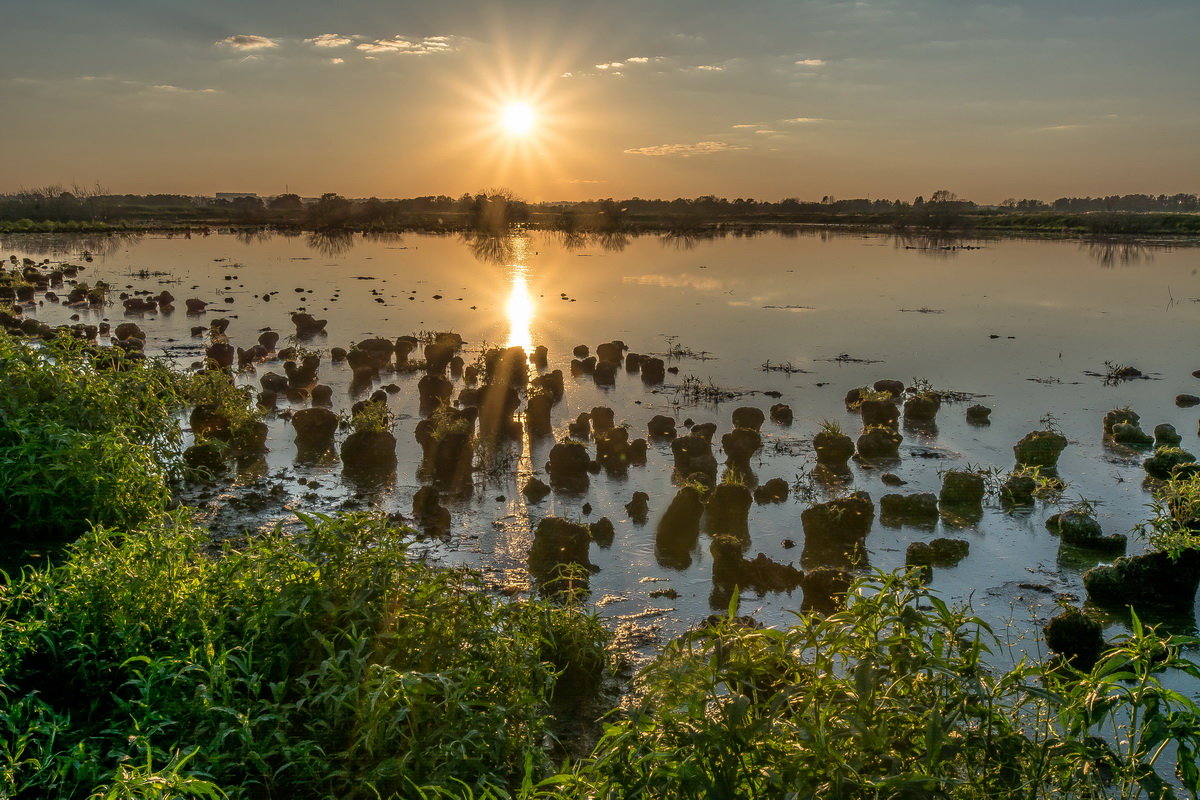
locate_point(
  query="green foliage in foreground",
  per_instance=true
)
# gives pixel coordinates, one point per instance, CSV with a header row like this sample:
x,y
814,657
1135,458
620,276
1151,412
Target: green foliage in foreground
x,y
891,698
86,435
330,664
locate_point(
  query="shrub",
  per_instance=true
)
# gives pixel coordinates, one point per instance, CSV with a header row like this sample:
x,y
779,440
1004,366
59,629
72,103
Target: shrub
x,y
892,698
86,435
329,664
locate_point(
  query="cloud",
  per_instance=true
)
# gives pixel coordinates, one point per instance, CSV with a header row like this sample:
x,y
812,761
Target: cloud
x,y
805,120
567,75
330,40
248,41
638,60
337,61
1062,127
611,65
745,125
811,62
585,180
766,131
709,68
685,150
167,88
409,47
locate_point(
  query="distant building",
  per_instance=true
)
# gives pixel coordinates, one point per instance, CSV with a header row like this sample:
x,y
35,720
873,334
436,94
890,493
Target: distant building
x,y
235,195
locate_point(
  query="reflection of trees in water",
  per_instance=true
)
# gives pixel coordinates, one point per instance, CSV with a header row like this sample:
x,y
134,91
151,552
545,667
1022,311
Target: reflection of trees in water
x,y
253,235
1110,252
935,244
612,241
382,237
573,240
684,239
68,244
330,243
490,248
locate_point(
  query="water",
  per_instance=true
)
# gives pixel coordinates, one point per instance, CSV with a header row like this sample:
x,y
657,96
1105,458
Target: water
x,y
1020,323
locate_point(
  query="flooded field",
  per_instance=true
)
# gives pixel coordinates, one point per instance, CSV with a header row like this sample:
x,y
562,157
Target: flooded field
x,y
1030,329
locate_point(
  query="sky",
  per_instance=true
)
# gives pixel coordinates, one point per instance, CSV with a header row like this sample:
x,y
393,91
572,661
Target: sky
x,y
651,98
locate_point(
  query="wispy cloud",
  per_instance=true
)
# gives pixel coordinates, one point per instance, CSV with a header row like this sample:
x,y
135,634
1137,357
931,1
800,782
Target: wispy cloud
x,y
611,65
1062,127
811,62
741,125
585,180
766,131
329,40
248,41
398,45
805,120
337,61
638,60
708,68
685,150
168,88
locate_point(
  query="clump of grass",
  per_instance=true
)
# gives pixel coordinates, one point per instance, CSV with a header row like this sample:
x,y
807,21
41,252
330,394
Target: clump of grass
x,y
831,427
324,664
1175,524
86,435
217,392
891,697
865,394
373,418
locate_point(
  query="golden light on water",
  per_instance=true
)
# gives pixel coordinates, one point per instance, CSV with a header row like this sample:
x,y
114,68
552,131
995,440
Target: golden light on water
x,y
520,307
520,314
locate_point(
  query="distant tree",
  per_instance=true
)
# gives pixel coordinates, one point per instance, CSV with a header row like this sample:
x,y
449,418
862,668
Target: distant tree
x,y
286,202
331,211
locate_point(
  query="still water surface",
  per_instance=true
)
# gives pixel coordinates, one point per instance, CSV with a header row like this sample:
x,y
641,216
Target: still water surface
x,y
1019,323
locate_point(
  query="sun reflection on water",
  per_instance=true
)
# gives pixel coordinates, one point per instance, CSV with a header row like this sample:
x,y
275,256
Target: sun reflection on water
x,y
520,308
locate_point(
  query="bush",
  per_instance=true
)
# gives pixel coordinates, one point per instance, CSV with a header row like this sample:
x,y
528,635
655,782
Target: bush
x,y
892,698
86,435
330,664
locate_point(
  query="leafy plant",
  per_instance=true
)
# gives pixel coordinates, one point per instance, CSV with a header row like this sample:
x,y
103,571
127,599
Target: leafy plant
x,y
1175,524
323,664
86,434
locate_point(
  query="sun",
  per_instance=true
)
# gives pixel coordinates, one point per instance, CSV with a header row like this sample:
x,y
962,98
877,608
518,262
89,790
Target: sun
x,y
518,119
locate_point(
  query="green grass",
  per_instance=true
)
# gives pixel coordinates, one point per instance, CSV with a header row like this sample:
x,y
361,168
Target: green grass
x,y
329,664
893,698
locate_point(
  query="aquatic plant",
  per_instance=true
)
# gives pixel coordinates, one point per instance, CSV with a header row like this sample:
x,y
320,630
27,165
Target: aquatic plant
x,y
373,417
1175,522
239,416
